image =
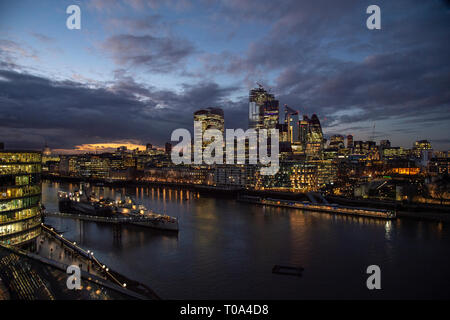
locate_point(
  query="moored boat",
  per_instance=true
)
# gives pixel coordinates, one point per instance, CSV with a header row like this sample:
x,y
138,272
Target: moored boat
x,y
322,207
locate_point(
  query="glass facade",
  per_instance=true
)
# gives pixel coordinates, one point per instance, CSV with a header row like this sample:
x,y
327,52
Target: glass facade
x,y
263,112
20,196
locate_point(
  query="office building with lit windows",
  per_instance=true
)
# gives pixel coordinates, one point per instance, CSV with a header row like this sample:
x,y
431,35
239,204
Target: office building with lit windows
x,y
20,196
209,118
292,120
420,147
263,110
314,144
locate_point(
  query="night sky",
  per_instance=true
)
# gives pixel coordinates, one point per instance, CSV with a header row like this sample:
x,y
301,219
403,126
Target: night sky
x,y
138,69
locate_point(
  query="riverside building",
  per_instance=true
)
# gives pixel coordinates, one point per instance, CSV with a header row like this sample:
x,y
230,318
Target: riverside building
x,y
20,196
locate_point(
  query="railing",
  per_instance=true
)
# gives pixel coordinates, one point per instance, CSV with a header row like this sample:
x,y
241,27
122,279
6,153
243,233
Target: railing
x,y
87,254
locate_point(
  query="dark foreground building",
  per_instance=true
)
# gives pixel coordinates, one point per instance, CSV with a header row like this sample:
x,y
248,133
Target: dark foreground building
x,y
23,278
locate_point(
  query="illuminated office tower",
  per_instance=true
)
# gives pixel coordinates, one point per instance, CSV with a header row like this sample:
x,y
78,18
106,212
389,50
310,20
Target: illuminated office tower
x,y
20,196
421,146
303,130
314,144
349,141
263,110
270,115
291,119
337,141
210,118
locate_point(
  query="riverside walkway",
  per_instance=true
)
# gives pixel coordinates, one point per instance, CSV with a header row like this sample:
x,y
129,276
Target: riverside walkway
x,y
94,268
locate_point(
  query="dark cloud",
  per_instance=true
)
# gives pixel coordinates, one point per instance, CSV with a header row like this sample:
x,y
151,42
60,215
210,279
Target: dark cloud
x,y
67,113
325,60
317,56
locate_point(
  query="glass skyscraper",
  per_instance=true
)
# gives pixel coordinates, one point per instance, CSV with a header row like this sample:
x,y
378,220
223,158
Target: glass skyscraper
x,y
263,112
20,196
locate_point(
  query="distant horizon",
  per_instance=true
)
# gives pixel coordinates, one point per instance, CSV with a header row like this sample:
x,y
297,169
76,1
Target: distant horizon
x,y
142,147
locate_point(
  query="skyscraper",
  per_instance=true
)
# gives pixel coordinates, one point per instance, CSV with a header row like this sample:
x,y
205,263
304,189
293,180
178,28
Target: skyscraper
x,y
314,144
420,146
20,196
291,119
210,118
349,141
263,110
304,129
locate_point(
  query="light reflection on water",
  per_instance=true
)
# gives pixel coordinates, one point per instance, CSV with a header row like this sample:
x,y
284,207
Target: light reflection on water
x,y
226,249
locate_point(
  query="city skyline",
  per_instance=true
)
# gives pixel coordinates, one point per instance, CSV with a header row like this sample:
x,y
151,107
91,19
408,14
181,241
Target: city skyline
x,y
137,71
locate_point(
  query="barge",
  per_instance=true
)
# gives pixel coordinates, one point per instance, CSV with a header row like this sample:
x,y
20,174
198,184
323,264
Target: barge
x,y
329,208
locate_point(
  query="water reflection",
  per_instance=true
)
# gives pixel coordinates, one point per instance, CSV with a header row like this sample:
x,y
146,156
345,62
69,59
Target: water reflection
x,y
226,249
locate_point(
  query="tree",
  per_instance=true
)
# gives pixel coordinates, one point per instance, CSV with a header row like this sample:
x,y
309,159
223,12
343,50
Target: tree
x,y
442,187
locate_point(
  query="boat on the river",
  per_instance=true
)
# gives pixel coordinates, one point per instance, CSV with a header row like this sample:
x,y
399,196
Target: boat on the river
x,y
81,201
147,217
84,202
322,207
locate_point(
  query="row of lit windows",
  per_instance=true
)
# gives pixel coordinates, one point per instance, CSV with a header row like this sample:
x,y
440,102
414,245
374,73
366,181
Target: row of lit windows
x,y
11,180
20,226
17,157
18,239
14,192
19,203
19,215
19,168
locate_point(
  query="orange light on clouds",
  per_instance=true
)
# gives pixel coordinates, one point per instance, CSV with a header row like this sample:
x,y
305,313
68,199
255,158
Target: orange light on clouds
x,y
109,146
101,147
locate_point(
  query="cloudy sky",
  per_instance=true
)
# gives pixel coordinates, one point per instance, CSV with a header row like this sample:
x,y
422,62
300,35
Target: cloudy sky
x,y
138,69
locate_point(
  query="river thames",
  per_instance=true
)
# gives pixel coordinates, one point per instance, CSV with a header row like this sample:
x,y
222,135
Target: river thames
x,y
226,249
